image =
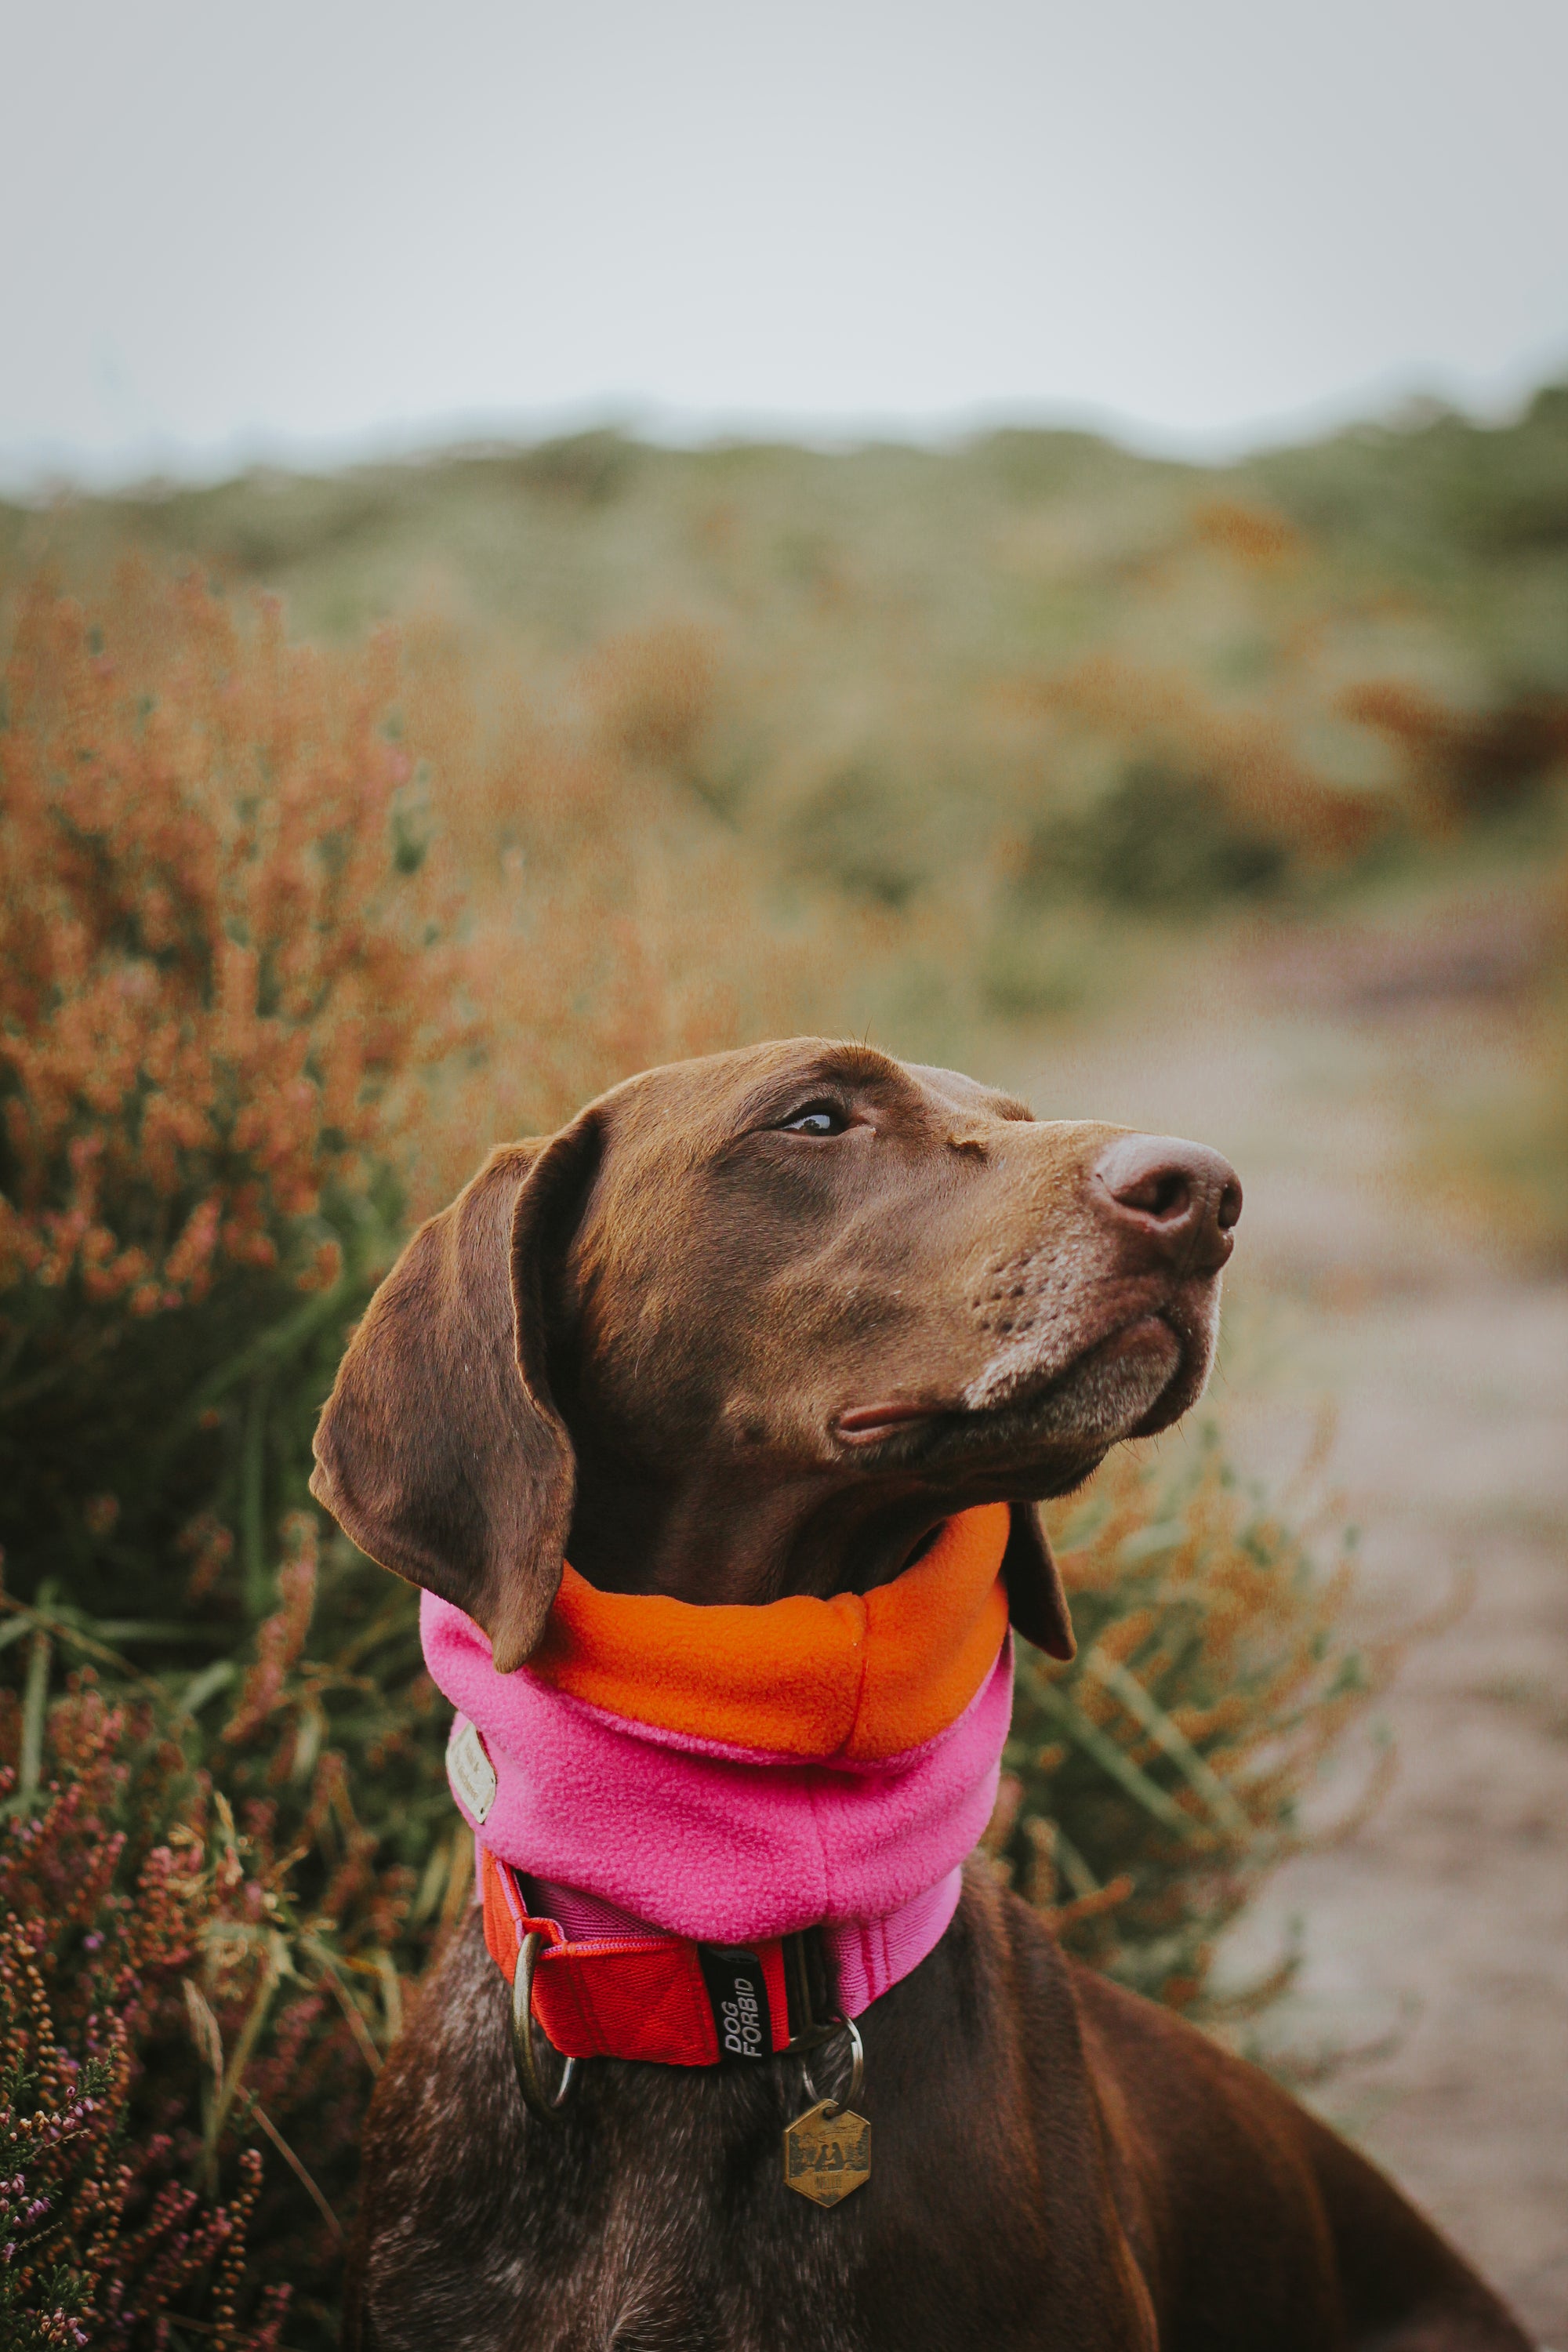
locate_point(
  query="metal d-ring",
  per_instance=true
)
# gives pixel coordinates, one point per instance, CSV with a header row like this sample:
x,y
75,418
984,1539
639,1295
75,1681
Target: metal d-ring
x,y
856,2071
529,2081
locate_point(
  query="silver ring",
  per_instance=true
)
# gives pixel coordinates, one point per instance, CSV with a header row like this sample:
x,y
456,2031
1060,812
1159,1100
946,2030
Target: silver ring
x,y
529,2081
856,2072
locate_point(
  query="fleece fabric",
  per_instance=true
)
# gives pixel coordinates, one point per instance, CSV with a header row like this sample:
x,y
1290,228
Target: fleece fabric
x,y
735,1775
860,1677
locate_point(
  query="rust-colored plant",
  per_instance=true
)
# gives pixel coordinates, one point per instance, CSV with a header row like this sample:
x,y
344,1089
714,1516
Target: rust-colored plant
x,y
1152,1782
287,941
214,980
217,989
229,1904
610,922
1243,761
107,1894
1464,764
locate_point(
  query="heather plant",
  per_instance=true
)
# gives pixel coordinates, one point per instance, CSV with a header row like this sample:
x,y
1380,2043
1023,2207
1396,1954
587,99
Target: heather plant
x,y
287,940
247,1021
1152,1784
217,983
611,924
113,2227
235,1876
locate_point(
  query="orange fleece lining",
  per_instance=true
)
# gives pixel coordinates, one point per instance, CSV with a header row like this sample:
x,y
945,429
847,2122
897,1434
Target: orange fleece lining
x,y
860,1677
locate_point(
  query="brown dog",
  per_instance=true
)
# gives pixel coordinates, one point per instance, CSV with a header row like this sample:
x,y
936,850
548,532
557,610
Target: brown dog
x,y
751,1327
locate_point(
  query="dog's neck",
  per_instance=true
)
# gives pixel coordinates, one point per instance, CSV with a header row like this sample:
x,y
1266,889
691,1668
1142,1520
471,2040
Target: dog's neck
x,y
717,1537
755,1771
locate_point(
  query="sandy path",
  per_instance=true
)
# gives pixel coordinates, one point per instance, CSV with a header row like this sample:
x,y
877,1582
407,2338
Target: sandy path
x,y
1435,1938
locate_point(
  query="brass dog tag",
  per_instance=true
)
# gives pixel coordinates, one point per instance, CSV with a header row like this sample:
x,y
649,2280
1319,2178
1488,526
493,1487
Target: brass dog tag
x,y
828,2153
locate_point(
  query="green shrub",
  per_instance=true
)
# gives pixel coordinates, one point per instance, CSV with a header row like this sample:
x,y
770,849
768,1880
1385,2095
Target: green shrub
x,y
239,1872
1153,1782
1161,841
227,1844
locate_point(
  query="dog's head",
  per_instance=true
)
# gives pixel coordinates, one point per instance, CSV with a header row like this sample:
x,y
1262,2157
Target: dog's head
x,y
794,1286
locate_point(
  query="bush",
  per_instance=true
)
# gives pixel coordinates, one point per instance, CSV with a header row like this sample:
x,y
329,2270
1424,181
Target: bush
x,y
1161,842
1152,1782
109,1894
205,1891
1462,765
245,1016
232,989
217,985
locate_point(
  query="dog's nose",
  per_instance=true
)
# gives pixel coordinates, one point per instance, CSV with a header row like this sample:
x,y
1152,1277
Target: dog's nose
x,y
1184,1198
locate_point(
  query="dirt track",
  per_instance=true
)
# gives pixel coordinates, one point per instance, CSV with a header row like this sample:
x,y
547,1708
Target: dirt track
x,y
1436,1937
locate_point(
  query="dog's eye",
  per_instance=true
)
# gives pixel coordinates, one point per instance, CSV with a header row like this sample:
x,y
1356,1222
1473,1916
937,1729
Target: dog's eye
x,y
817,1119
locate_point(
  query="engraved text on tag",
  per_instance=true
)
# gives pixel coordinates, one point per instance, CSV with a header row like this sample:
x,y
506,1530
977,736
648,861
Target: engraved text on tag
x,y
828,2153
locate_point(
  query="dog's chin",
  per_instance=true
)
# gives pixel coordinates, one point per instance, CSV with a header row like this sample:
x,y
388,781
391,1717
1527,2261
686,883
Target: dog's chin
x,y
1117,1389
1044,1429
1186,1385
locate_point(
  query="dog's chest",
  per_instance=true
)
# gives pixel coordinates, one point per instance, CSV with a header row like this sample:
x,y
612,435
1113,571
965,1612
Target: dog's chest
x,y
647,2260
675,2264
654,2217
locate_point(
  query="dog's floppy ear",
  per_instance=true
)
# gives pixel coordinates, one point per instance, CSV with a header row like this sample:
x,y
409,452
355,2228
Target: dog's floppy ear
x,y
441,1452
1035,1601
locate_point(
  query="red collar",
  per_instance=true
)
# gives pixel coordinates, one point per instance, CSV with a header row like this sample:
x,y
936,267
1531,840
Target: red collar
x,y
650,1996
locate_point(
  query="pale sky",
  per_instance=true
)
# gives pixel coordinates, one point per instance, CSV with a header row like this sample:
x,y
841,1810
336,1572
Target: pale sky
x,y
318,227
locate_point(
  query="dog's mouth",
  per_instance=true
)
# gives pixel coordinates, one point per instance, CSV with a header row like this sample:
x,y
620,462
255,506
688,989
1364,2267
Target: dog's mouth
x,y
1131,1383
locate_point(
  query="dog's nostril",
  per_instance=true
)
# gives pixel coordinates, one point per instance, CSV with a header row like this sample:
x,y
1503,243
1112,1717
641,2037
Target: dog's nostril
x,y
1181,1196
1165,1194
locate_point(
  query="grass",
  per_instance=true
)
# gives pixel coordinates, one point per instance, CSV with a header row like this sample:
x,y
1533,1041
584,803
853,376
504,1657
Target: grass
x,y
667,749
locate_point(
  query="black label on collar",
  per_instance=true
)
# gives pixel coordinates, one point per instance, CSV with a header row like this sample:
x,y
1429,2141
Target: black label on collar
x,y
739,1994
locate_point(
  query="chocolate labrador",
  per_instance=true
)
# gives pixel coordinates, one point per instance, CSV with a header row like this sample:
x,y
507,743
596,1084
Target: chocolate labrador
x,y
752,1327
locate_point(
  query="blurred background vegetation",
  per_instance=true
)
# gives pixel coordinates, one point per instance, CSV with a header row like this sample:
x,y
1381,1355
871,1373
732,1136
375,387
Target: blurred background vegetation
x,y
348,825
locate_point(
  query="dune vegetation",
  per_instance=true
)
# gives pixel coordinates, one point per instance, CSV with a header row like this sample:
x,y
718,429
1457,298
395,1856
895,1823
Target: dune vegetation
x,y
348,825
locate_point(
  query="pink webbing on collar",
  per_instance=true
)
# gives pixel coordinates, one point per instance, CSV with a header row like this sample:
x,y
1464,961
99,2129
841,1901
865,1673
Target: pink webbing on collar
x,y
866,1957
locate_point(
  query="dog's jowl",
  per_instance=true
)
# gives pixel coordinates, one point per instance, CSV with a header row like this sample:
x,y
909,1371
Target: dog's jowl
x,y
713,1428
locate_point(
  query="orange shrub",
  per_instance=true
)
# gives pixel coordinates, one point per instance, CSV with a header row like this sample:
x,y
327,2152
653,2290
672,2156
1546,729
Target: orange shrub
x,y
214,974
287,940
1151,1784
611,922
1245,757
1465,763
217,992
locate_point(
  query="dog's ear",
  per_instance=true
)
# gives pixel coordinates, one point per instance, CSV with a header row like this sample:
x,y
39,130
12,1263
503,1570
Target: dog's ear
x,y
441,1451
1035,1601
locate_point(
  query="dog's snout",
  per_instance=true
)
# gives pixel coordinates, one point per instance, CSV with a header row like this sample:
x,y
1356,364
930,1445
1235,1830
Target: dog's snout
x,y
1184,1198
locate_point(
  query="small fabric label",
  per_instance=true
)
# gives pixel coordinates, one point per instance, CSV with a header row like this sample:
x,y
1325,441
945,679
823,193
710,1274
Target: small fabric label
x,y
471,1771
739,1994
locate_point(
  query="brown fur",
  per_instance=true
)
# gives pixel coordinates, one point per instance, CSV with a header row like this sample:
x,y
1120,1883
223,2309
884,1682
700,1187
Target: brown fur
x,y
700,1351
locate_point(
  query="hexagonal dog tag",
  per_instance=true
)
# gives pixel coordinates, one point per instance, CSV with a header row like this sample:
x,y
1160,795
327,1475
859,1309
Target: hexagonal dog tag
x,y
828,2153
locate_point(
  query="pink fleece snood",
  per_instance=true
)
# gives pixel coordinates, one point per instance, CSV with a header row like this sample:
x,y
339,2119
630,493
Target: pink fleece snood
x,y
627,1823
